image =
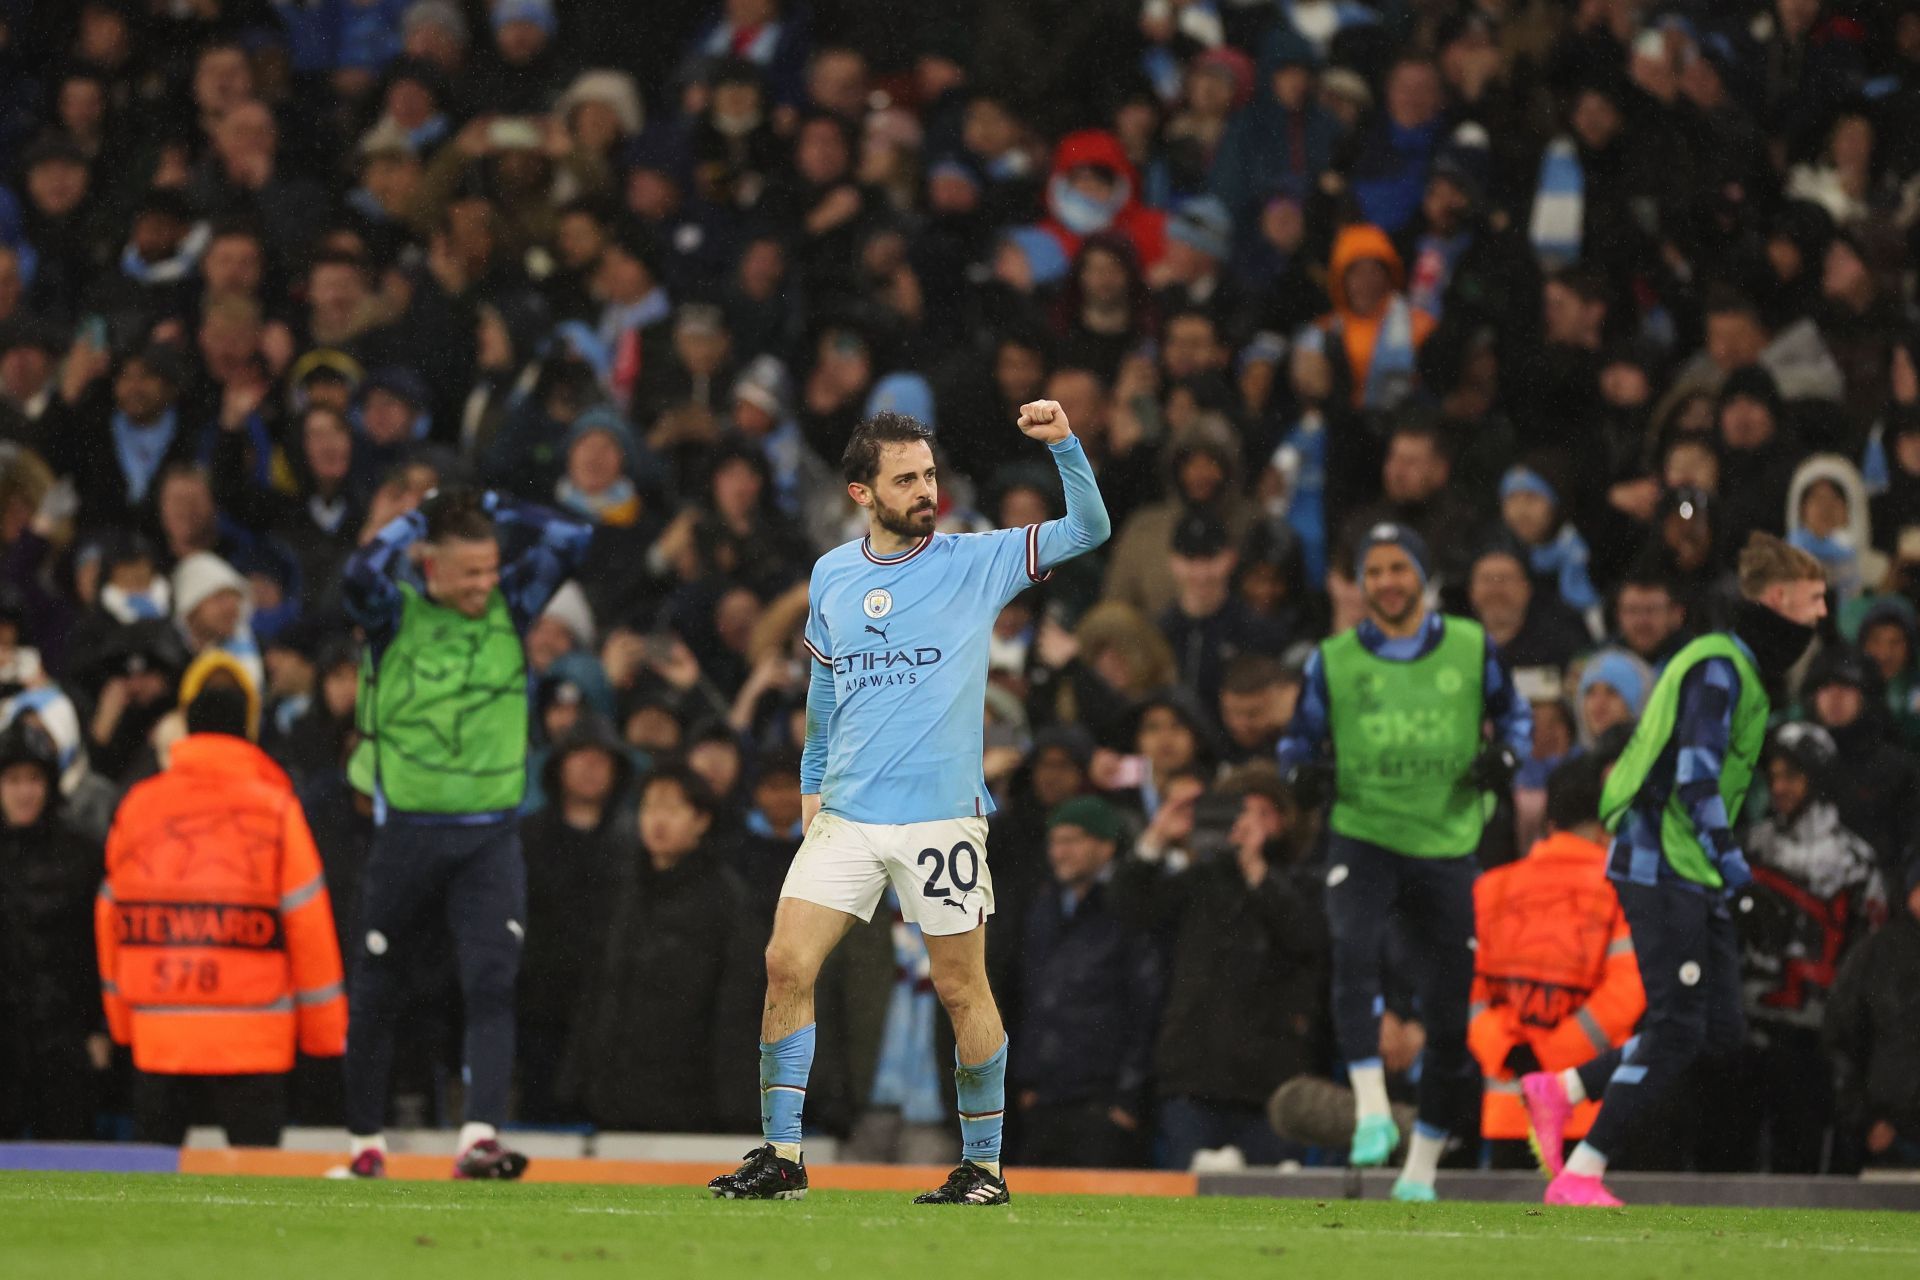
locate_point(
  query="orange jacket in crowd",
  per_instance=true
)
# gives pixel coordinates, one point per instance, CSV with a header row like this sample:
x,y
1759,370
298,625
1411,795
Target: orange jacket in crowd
x,y
1360,334
1554,969
215,931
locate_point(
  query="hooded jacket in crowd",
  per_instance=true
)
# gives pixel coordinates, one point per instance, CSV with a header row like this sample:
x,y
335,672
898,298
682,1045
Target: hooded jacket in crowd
x,y
1873,792
1873,1022
1267,149
663,1032
1847,554
1245,974
1137,569
1073,216
1382,346
1816,891
49,984
573,878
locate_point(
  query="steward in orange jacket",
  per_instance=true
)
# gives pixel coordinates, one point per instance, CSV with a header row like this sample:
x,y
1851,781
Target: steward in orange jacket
x,y
215,931
1555,979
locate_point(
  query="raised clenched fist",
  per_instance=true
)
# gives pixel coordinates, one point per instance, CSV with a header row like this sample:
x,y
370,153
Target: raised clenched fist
x,y
1045,421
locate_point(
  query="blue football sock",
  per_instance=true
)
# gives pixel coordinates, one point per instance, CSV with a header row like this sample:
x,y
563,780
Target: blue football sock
x,y
784,1068
983,1105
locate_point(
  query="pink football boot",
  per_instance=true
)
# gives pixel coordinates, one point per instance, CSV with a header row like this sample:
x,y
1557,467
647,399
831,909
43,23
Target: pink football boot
x,y
1548,1110
1580,1189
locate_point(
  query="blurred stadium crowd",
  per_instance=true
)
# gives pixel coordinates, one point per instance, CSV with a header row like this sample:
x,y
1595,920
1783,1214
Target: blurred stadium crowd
x,y
1582,290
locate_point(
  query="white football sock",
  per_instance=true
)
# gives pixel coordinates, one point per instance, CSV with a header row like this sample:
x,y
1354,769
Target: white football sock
x,y
1576,1090
787,1150
1424,1150
374,1142
473,1132
1369,1089
991,1166
1585,1162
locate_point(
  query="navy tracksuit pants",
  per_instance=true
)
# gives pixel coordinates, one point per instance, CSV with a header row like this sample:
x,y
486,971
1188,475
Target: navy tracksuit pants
x,y
1689,955
420,877
1368,888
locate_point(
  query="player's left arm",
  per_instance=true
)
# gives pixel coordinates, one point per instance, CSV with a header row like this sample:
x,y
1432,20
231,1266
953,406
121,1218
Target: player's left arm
x,y
1086,524
822,695
1512,717
1305,738
559,547
367,585
1707,699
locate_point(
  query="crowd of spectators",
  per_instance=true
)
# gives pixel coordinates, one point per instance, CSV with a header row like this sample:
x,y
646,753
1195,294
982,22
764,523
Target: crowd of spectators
x,y
1581,290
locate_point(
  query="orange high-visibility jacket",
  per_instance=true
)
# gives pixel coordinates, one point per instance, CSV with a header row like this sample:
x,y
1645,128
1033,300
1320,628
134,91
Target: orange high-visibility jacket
x,y
215,931
1554,969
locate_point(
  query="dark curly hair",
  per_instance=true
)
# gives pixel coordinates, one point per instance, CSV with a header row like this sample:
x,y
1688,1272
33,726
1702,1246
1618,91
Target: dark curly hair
x,y
861,461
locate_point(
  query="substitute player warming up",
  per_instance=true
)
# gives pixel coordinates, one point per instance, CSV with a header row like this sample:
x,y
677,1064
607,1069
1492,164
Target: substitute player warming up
x,y
891,784
1669,802
1403,698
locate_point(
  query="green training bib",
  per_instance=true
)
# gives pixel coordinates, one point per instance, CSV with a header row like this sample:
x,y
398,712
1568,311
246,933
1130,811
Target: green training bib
x,y
1405,735
444,718
1679,842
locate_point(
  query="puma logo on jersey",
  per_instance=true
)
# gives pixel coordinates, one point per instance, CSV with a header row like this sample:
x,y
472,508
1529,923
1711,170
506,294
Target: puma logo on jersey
x,y
878,631
949,902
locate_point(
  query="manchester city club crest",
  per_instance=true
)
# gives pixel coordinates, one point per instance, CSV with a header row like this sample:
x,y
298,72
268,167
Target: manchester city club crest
x,y
879,603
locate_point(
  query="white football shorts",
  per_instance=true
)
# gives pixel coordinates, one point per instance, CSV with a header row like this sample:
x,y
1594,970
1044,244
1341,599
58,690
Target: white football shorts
x,y
938,870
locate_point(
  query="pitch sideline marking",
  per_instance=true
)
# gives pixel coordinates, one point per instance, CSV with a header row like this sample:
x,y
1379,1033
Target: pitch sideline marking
x,y
630,1211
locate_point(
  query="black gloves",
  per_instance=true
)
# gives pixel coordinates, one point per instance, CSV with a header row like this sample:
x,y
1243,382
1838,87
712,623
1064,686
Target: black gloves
x,y
1311,784
1493,768
1521,1060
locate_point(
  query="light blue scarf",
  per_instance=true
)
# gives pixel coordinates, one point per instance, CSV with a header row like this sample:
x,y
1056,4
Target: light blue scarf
x,y
137,606
1307,496
617,320
1565,561
1874,468
1559,206
141,450
1081,213
783,447
183,263
1390,376
594,505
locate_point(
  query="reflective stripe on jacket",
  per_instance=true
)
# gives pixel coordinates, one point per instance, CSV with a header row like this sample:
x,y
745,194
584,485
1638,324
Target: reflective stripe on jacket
x,y
1554,969
214,927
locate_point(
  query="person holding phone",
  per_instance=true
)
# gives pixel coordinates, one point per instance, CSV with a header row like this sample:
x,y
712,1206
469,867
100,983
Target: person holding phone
x,y
1217,876
1399,703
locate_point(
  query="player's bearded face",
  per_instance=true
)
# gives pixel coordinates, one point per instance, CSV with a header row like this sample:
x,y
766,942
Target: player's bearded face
x,y
913,520
1392,585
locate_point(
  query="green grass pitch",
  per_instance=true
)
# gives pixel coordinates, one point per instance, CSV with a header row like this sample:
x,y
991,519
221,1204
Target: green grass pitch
x,y
75,1226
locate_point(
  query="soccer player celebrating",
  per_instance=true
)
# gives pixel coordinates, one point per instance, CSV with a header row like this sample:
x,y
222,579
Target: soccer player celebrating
x,y
1402,699
891,784
1669,802
443,716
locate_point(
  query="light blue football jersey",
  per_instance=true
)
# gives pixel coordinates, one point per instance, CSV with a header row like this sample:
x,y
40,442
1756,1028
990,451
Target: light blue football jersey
x,y
895,709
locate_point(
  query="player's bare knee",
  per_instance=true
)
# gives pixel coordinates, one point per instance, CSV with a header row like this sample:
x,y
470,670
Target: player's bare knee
x,y
961,989
790,969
